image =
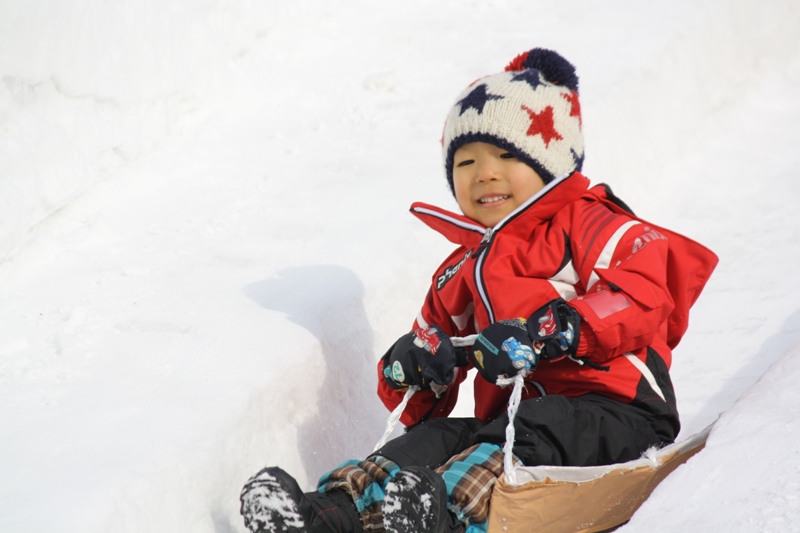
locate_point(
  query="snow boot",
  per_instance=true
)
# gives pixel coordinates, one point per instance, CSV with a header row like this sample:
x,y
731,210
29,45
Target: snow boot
x,y
273,502
416,501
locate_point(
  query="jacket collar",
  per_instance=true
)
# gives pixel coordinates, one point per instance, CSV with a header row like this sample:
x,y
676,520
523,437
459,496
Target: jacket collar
x,y
542,206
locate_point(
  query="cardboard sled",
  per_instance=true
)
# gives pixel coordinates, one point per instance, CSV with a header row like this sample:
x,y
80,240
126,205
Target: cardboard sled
x,y
551,499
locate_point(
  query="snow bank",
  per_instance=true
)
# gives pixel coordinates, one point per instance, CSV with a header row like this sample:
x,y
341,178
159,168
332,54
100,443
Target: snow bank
x,y
89,86
748,477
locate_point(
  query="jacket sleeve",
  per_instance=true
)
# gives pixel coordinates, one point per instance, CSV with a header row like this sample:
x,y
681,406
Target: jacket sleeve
x,y
627,301
424,403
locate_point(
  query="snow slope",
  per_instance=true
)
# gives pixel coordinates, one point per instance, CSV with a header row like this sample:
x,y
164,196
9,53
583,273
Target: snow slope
x,y
204,243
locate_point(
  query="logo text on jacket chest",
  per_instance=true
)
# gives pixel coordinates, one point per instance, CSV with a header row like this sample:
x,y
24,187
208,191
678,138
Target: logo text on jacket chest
x,y
650,235
451,271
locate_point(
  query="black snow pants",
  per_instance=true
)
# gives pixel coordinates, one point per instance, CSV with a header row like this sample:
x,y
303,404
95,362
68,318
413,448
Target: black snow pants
x,y
587,430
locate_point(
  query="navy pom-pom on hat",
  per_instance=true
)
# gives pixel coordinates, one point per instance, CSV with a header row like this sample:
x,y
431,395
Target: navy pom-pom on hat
x,y
552,66
531,109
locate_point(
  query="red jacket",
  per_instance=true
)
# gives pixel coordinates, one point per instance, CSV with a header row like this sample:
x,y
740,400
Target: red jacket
x,y
631,281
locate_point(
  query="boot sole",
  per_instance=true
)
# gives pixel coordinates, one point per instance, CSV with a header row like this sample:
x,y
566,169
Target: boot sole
x,y
415,502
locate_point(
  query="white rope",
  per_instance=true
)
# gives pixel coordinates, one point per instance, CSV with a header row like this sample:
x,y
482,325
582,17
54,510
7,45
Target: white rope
x,y
458,342
513,405
395,417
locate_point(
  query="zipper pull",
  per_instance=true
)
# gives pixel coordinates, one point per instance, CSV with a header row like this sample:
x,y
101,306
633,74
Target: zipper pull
x,y
487,237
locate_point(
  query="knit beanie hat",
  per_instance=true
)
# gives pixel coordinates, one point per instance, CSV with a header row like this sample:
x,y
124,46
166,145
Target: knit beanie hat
x,y
531,109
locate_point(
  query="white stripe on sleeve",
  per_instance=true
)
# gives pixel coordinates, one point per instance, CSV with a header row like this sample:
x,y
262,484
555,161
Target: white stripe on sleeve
x,y
608,252
651,379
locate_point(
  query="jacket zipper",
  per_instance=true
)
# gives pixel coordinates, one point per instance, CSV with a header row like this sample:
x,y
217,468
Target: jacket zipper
x,y
488,234
483,248
486,241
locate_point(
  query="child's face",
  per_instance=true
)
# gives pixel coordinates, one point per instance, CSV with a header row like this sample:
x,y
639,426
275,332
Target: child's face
x,y
490,183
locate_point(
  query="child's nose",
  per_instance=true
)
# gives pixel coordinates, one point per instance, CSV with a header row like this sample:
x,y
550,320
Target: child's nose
x,y
488,170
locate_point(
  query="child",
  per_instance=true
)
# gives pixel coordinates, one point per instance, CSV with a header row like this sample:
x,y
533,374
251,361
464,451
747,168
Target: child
x,y
563,283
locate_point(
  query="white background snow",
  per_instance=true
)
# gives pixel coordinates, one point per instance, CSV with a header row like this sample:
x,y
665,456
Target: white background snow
x,y
205,245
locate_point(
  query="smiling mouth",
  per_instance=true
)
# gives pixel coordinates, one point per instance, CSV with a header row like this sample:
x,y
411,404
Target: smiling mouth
x,y
492,199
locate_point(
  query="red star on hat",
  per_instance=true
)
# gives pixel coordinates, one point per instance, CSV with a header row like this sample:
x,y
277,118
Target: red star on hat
x,y
543,124
575,109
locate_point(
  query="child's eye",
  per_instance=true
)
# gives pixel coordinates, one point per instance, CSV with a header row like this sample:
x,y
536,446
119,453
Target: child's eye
x,y
465,162
507,155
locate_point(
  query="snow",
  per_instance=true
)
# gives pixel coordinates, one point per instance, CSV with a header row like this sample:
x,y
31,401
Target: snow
x,y
205,244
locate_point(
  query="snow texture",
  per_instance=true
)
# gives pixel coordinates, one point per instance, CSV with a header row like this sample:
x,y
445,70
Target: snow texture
x,y
205,244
